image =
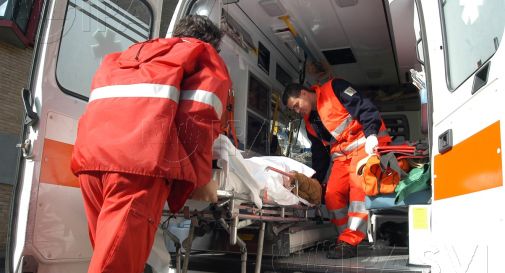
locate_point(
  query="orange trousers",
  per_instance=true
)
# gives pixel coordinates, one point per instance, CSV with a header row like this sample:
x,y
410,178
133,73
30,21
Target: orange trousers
x,y
345,199
123,212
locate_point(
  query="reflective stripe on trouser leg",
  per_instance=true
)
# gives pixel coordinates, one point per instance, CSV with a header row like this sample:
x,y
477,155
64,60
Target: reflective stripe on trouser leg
x,y
357,223
339,218
358,215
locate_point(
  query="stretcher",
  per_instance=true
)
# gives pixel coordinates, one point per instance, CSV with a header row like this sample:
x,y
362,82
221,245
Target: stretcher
x,y
249,192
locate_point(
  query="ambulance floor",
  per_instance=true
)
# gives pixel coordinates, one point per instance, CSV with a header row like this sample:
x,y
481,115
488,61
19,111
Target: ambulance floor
x,y
370,260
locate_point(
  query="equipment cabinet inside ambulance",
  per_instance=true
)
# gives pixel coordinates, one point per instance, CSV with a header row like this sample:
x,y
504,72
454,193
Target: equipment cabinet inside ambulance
x,y
434,68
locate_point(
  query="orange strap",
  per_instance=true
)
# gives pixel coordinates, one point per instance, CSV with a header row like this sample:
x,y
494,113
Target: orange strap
x,y
229,123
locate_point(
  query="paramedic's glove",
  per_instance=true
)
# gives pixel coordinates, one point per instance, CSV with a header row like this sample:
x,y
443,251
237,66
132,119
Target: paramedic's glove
x,y
370,144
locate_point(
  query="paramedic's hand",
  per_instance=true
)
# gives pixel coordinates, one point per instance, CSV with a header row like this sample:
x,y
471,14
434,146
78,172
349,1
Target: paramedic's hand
x,y
207,192
371,143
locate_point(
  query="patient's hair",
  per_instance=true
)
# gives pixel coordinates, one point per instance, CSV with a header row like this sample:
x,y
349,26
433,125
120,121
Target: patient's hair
x,y
199,27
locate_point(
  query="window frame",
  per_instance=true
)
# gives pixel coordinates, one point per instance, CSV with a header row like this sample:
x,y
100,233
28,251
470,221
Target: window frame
x,y
265,50
74,93
258,115
446,53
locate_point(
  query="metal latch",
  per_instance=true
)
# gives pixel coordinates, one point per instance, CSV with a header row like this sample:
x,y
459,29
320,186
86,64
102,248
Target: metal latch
x,y
26,148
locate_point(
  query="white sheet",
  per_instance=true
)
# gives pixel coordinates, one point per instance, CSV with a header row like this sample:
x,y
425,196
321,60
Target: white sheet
x,y
248,176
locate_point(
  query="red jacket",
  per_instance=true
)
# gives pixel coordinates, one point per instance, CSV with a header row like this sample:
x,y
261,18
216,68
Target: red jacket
x,y
154,110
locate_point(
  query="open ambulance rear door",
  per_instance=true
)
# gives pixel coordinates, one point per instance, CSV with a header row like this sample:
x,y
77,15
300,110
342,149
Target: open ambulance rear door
x,y
48,226
467,63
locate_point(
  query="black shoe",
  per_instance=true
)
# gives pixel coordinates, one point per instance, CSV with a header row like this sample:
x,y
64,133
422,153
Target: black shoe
x,y
342,250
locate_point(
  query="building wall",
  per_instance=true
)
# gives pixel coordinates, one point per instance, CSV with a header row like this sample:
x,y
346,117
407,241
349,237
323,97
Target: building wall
x,y
5,199
14,69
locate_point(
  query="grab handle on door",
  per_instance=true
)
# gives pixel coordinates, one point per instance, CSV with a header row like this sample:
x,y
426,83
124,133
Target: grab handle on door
x,y
480,78
31,117
445,141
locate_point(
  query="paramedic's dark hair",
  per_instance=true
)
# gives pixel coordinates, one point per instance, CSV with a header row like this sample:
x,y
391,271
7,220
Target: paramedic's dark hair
x,y
199,27
293,90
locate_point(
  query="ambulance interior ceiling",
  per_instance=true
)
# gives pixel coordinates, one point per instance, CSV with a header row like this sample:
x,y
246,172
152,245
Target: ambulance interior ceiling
x,y
353,37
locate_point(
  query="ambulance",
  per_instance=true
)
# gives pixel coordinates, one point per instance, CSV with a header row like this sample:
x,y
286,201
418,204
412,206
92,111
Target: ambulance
x,y
435,69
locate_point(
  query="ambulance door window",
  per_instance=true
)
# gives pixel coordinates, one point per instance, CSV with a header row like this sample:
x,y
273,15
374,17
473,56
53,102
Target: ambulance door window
x,y
93,29
472,33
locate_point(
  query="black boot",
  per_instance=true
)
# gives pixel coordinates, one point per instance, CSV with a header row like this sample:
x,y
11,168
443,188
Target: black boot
x,y
342,250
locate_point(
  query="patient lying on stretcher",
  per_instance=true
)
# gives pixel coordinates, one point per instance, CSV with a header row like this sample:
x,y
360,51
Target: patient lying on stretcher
x,y
253,177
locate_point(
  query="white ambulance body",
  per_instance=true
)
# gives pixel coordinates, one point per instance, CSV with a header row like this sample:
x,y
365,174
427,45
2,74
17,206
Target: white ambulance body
x,y
374,44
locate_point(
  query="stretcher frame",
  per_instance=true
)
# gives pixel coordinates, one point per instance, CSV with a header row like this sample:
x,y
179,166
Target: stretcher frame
x,y
232,212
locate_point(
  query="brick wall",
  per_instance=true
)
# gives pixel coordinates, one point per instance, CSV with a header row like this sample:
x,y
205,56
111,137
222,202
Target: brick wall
x,y
14,69
5,199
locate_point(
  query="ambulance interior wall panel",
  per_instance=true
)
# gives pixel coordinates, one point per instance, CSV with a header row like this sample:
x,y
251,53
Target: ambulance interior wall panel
x,y
255,118
414,123
258,33
324,25
241,63
402,20
238,70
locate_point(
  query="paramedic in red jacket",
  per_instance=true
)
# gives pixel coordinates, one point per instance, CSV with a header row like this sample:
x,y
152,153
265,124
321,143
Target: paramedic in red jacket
x,y
146,137
339,120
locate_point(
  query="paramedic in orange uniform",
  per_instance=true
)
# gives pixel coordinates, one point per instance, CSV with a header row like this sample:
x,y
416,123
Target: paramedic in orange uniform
x,y
340,121
146,138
